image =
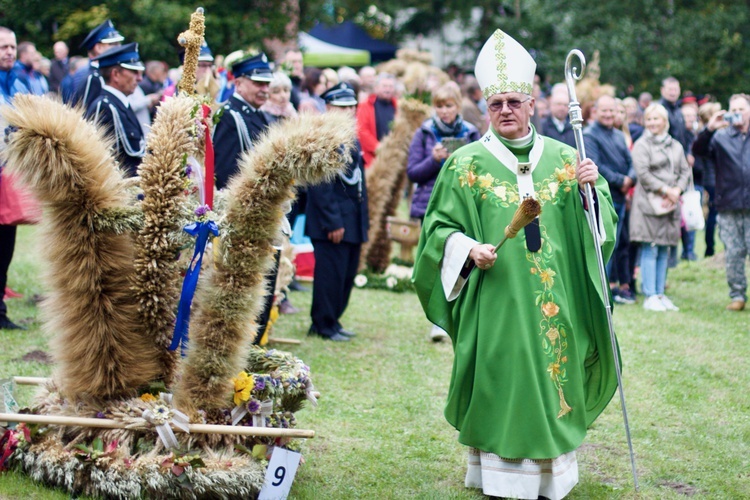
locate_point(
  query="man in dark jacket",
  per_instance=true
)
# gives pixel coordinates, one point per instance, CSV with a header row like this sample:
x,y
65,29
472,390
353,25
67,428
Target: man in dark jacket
x,y
606,146
121,68
337,223
729,147
670,96
59,67
557,124
242,121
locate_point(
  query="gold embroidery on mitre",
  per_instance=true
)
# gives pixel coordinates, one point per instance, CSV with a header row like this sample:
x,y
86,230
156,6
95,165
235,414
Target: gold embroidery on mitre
x,y
503,84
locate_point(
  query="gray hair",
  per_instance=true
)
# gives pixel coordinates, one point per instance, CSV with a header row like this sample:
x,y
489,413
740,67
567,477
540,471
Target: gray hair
x,y
280,80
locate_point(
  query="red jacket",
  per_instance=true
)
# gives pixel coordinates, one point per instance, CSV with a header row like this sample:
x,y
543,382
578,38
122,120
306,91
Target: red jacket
x,y
367,129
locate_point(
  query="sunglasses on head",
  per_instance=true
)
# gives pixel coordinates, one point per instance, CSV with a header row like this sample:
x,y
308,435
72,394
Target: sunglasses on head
x,y
512,104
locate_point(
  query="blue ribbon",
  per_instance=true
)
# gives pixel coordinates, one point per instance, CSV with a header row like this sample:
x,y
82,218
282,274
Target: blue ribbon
x,y
202,231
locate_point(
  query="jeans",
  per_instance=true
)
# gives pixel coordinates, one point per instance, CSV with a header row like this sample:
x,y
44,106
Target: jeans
x,y
618,267
653,268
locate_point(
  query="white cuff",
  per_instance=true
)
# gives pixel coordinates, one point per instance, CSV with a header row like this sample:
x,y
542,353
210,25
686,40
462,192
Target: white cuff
x,y
457,248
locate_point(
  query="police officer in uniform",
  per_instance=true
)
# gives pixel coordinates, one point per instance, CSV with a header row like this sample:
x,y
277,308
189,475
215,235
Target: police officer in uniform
x,y
87,82
242,121
121,69
337,223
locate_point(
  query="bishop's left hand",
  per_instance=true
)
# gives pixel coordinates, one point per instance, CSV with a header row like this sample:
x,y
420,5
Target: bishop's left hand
x,y
587,172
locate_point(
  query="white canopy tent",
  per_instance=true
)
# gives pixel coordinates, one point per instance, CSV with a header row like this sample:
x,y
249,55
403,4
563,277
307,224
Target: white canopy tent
x,y
318,53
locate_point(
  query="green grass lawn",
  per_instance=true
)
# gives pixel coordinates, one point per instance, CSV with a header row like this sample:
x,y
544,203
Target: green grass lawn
x,y
380,432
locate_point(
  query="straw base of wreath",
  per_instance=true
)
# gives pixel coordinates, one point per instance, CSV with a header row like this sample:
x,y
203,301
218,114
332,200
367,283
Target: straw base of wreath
x,y
121,477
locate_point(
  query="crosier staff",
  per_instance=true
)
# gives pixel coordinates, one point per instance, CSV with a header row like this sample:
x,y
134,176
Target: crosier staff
x,y
576,120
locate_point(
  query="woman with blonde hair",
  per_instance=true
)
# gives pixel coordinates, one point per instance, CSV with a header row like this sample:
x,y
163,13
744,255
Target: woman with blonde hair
x,y
663,175
435,140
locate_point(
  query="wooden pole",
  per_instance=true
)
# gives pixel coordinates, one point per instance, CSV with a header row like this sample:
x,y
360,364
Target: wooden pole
x,y
104,423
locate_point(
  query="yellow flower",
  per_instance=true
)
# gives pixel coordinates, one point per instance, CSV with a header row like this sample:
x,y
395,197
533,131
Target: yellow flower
x,y
561,175
553,334
547,276
243,384
471,178
486,180
554,370
564,359
147,398
553,187
501,192
550,309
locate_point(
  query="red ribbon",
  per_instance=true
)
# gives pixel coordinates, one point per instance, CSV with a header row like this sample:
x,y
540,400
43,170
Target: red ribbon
x,y
209,177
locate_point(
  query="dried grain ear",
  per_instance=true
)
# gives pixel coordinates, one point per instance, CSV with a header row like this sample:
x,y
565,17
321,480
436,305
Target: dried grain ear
x,y
91,313
156,278
306,150
386,180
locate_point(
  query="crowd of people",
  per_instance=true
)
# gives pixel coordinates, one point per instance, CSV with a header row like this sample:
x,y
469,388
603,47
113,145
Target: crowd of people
x,y
495,138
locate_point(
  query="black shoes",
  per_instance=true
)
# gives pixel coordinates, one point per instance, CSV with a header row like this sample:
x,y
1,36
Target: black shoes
x,y
6,324
346,333
336,337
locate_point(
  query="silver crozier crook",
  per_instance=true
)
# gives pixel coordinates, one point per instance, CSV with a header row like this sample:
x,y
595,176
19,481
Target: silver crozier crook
x,y
576,120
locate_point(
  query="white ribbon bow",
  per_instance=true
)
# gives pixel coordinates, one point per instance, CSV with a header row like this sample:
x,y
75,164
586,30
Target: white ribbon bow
x,y
162,415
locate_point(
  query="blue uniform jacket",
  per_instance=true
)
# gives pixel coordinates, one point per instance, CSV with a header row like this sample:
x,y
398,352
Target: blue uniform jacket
x,y
239,126
130,145
339,203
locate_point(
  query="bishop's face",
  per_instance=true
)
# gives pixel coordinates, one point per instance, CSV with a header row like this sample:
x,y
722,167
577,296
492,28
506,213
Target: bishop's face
x,y
510,114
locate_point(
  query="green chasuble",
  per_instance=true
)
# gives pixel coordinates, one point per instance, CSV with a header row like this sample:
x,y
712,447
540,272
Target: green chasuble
x,y
533,364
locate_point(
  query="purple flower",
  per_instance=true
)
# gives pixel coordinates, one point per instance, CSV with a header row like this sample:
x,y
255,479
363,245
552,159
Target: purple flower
x,y
253,406
260,383
202,210
188,170
100,414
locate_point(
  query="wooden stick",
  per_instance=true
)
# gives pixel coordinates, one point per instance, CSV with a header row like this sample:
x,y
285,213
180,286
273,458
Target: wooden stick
x,y
30,380
104,423
281,340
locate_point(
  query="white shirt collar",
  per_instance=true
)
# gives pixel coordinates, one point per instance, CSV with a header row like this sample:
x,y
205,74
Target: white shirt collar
x,y
122,97
559,124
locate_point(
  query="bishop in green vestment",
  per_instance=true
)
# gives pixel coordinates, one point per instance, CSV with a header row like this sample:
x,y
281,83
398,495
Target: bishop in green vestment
x,y
533,364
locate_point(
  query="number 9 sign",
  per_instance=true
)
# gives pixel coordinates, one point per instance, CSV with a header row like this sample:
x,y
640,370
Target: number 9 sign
x,y
280,474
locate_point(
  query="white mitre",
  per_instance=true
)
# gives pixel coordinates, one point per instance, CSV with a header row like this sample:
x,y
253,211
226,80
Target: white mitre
x,y
504,65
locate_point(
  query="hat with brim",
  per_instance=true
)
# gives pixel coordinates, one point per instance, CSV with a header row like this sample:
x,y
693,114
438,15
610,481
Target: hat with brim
x,y
255,68
125,56
342,95
104,33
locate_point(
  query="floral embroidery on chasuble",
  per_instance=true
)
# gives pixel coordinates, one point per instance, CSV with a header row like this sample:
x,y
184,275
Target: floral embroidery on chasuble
x,y
530,371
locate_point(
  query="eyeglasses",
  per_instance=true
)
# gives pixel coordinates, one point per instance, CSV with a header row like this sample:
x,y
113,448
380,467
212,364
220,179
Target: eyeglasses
x,y
513,104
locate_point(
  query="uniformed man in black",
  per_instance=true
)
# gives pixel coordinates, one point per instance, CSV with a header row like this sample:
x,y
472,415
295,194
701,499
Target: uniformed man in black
x,y
337,223
242,121
121,69
87,82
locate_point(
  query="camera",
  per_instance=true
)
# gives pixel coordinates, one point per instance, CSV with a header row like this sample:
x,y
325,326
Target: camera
x,y
733,118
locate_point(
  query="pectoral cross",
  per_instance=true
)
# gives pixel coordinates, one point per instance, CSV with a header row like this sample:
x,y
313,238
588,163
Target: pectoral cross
x,y
524,168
